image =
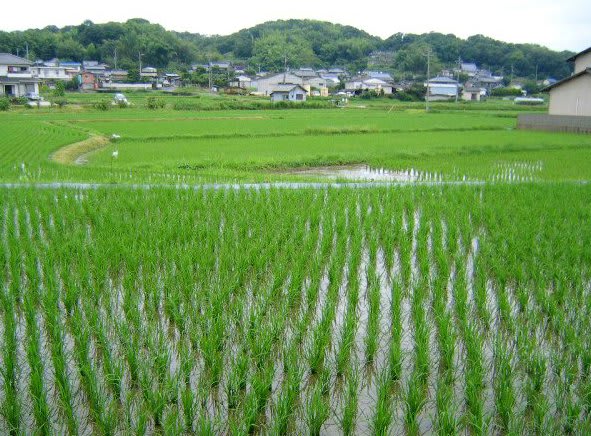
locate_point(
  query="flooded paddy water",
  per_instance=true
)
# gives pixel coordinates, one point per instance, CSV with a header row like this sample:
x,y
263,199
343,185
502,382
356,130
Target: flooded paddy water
x,y
360,173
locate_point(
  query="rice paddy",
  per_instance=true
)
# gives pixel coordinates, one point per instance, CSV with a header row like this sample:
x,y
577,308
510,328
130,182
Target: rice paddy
x,y
402,309
277,145
153,294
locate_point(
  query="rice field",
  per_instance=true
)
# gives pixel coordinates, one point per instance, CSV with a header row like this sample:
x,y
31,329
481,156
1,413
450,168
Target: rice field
x,y
191,147
409,309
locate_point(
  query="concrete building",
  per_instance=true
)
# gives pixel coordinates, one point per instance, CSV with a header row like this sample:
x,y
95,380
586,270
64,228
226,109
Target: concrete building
x,y
16,77
471,94
572,96
51,73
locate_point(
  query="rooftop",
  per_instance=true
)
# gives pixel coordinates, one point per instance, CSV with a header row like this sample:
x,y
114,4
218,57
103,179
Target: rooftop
x,y
10,59
286,87
572,58
568,79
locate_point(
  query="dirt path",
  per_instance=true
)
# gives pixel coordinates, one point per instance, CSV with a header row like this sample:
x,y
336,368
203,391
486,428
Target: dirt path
x,y
74,154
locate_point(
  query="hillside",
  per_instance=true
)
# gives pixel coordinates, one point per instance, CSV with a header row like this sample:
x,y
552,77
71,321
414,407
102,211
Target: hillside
x,y
267,46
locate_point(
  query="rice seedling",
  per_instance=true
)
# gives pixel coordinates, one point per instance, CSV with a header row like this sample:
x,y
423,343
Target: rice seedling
x,y
414,403
317,410
351,396
167,310
382,417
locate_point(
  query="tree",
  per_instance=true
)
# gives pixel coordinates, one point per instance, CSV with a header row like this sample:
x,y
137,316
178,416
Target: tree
x,y
275,49
60,89
413,59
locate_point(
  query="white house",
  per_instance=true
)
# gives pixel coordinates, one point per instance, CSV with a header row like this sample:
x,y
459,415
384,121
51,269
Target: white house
x,y
266,85
51,72
572,96
149,72
363,83
288,92
16,77
442,88
242,81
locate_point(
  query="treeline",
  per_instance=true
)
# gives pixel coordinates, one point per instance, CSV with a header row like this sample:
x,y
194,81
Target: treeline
x,y
269,46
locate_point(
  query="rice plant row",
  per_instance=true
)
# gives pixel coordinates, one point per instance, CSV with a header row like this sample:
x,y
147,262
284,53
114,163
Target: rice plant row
x,y
404,309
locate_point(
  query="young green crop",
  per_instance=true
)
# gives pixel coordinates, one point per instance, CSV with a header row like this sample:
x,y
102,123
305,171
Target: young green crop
x,y
213,311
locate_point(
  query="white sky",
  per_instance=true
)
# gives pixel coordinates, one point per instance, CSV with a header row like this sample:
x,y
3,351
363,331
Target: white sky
x,y
557,24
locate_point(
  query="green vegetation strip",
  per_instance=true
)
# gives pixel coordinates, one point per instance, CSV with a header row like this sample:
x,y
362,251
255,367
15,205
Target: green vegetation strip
x,y
72,153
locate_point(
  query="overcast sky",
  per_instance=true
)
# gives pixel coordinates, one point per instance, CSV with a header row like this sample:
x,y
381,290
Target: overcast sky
x,y
557,24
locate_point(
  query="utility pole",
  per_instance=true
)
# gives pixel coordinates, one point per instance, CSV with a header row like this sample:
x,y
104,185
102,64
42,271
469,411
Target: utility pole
x,y
139,55
115,57
428,54
210,72
27,49
459,70
285,68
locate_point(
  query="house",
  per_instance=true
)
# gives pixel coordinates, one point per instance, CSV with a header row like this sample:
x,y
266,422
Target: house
x,y
51,71
572,96
366,83
242,81
288,92
469,68
88,81
150,72
386,77
266,85
94,67
485,79
306,73
570,101
471,93
117,75
442,88
171,79
16,77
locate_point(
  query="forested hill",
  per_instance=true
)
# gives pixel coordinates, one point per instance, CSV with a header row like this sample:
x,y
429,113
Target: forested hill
x,y
266,47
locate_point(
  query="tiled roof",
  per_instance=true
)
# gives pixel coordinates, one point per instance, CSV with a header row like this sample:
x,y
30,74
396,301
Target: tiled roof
x,y
10,59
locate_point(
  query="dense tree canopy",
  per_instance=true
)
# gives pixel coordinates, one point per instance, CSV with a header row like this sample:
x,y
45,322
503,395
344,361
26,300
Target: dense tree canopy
x,y
266,46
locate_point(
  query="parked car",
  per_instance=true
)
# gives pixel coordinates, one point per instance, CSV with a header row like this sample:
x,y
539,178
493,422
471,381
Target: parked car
x,y
120,99
33,96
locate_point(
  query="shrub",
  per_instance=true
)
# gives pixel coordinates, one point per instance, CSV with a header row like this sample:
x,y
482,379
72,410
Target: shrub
x,y
60,102
72,85
404,96
101,105
60,89
505,92
155,103
19,100
4,104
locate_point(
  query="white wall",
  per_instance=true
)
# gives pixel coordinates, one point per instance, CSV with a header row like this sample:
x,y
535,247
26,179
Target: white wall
x,y
583,62
572,98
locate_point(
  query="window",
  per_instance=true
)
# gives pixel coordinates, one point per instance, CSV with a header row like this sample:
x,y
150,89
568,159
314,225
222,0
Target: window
x,y
299,96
